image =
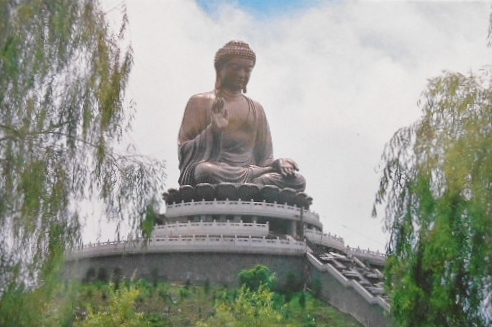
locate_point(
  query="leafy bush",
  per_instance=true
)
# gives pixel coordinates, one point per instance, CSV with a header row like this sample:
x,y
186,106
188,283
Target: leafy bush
x,y
253,278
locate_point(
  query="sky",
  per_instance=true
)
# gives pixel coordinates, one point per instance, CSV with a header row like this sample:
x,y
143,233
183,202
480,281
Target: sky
x,y
336,78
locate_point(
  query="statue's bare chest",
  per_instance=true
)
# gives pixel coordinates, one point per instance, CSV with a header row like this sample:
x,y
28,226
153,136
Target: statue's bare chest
x,y
241,117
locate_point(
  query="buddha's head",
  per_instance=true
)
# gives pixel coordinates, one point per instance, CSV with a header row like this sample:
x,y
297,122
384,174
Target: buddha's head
x,y
233,65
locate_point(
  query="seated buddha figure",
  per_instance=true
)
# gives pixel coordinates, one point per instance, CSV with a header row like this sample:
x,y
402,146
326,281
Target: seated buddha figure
x,y
224,135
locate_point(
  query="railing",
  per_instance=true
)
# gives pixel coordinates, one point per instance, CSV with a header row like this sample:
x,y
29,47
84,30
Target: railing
x,y
337,243
251,208
329,240
223,244
375,257
212,228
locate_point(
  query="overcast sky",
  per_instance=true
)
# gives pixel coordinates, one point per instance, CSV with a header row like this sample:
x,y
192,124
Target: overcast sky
x,y
336,78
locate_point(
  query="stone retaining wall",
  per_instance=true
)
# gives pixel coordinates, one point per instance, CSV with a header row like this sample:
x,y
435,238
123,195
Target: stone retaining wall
x,y
216,268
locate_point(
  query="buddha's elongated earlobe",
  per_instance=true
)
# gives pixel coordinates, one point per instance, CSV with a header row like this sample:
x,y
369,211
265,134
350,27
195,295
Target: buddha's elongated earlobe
x,y
218,83
244,89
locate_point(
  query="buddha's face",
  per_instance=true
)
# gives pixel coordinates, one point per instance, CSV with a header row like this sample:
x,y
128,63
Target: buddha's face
x,y
235,73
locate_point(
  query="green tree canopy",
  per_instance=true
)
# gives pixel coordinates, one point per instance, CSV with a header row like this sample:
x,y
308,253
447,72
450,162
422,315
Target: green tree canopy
x,y
259,275
63,73
437,189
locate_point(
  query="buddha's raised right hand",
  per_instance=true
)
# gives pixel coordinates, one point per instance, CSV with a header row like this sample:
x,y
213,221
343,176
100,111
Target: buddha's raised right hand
x,y
219,116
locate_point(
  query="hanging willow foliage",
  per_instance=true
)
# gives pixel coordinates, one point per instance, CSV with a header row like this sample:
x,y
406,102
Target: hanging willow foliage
x,y
436,186
63,74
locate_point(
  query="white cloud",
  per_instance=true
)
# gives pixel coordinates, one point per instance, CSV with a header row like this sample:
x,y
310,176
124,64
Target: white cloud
x,y
336,82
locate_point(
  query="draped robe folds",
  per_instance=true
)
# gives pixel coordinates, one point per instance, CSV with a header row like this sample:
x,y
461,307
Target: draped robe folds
x,y
232,154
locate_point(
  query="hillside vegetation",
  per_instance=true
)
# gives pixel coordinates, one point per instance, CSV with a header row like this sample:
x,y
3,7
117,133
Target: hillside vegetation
x,y
140,303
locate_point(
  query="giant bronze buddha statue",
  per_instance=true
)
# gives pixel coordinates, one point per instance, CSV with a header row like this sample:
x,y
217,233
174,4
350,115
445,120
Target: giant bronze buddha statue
x,y
224,135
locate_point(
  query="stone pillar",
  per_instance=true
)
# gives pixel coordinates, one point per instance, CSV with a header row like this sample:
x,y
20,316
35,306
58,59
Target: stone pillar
x,y
293,228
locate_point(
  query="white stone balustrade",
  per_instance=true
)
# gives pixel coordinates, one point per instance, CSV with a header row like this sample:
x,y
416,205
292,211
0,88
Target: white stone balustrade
x,y
212,228
219,244
329,240
337,243
375,257
244,208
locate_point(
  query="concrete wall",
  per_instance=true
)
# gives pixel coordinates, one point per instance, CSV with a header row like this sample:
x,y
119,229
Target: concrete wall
x,y
217,268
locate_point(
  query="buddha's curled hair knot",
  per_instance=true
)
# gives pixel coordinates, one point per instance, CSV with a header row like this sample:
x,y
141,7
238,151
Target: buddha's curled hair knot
x,y
233,49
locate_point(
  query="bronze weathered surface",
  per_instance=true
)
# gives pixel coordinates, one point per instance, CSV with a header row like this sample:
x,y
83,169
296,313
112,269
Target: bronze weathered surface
x,y
224,135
